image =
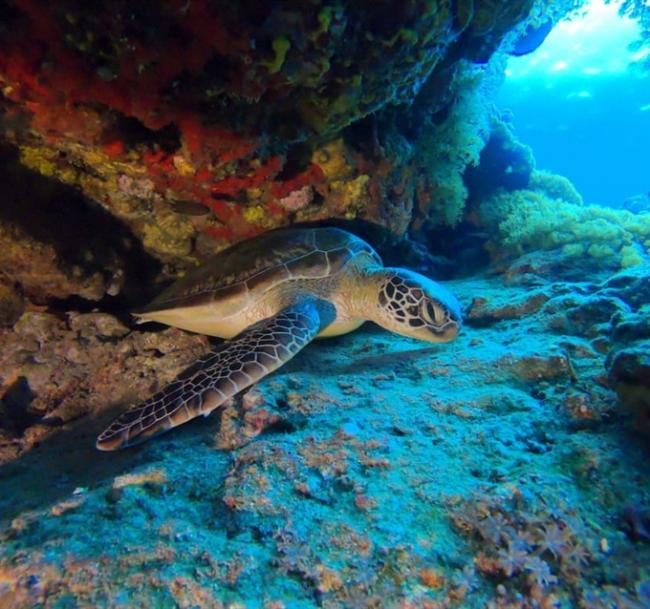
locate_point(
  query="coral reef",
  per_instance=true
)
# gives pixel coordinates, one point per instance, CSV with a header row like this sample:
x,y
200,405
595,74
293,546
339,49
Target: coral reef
x,y
446,149
502,471
201,124
549,215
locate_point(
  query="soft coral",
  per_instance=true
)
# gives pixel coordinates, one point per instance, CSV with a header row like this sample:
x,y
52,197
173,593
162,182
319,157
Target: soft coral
x,y
554,539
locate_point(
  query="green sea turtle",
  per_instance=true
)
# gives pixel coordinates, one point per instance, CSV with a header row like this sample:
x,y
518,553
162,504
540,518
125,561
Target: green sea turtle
x,y
270,297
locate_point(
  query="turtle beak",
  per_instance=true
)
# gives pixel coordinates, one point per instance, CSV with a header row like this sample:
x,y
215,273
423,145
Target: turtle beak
x,y
450,332
446,333
446,319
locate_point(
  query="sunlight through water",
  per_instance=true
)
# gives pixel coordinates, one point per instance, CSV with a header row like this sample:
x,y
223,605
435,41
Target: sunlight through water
x,y
582,100
584,45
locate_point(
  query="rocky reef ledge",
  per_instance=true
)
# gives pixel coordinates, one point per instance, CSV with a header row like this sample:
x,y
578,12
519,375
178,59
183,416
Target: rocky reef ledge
x,y
197,124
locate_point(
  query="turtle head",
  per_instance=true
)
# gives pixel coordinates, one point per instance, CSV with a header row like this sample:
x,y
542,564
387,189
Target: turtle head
x,y
415,306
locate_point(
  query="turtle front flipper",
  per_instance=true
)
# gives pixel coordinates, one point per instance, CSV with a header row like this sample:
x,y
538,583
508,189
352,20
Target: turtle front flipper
x,y
221,374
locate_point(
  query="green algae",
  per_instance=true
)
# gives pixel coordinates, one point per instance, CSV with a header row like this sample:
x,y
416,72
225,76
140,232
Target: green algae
x,y
281,46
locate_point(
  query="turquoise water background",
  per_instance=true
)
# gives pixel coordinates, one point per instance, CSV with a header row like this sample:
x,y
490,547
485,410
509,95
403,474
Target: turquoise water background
x,y
582,102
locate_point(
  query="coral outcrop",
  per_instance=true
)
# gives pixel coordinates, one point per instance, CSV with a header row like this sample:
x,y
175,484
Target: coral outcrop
x,y
629,375
446,148
549,215
54,371
199,124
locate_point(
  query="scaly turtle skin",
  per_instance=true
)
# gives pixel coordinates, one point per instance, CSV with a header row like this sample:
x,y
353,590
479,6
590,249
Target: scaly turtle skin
x,y
270,297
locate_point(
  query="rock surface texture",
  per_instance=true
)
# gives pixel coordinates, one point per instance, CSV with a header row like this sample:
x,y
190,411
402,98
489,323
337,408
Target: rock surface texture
x,y
495,471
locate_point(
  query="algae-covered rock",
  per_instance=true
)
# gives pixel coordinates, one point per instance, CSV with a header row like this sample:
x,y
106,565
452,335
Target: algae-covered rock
x,y
629,375
202,124
484,312
56,243
631,326
58,370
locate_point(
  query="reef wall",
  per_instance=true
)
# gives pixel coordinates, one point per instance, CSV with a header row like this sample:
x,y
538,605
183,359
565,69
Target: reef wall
x,y
198,124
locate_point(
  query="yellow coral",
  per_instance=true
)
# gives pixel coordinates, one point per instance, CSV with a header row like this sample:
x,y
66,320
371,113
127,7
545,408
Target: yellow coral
x,y
601,250
573,250
353,190
38,159
350,194
554,186
630,256
183,166
170,235
526,220
446,149
331,158
254,193
71,167
255,214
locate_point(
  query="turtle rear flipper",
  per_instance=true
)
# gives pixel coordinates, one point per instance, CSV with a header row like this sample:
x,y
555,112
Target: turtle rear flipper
x,y
221,374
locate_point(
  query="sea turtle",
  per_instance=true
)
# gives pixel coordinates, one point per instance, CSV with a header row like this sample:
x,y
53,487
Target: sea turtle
x,y
270,296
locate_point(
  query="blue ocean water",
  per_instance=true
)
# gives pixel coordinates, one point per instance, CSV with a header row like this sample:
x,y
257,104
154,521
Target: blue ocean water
x,y
582,102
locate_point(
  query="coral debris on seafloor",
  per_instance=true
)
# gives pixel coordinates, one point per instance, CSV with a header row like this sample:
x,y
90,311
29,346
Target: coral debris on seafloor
x,y
505,470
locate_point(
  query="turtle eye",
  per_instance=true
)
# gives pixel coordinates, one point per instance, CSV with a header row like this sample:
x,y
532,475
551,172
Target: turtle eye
x,y
428,314
432,314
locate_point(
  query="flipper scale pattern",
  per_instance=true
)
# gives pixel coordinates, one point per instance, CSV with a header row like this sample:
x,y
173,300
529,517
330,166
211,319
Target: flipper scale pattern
x,y
219,375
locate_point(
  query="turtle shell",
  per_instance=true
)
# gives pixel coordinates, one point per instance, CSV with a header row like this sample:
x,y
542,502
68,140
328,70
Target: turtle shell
x,y
258,264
